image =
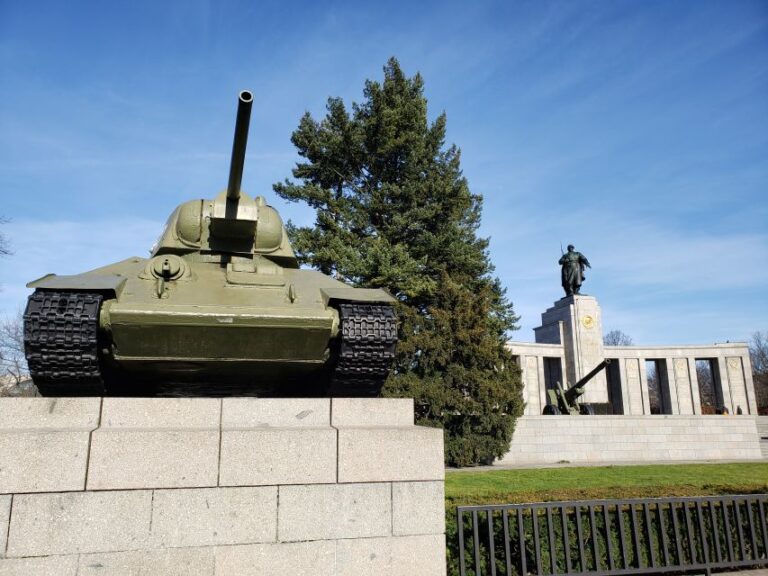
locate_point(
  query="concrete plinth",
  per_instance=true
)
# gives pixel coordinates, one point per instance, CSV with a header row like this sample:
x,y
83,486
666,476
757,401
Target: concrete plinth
x,y
211,487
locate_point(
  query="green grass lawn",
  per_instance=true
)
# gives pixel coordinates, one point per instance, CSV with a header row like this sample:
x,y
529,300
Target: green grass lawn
x,y
544,484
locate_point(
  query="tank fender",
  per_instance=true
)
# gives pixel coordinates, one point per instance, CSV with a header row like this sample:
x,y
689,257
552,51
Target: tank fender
x,y
356,295
104,283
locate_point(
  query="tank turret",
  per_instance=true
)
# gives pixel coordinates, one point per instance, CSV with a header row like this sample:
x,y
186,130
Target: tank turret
x,y
233,222
220,308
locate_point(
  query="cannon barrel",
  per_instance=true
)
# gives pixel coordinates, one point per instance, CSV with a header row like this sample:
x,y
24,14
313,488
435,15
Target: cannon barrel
x,y
577,389
245,101
592,373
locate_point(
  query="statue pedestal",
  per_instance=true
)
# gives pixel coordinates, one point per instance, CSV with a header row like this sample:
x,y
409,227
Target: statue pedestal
x,y
575,322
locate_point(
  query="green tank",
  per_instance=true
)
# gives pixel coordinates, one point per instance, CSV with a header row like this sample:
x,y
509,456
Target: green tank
x,y
219,308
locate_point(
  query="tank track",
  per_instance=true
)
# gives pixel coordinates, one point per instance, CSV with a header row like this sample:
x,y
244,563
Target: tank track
x,y
61,343
366,350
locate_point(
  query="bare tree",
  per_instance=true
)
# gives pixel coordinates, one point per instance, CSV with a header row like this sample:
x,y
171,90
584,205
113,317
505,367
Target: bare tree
x,y
5,245
654,387
13,364
705,376
758,355
617,338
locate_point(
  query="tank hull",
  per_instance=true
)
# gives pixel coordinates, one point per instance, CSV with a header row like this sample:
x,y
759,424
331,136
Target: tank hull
x,y
213,332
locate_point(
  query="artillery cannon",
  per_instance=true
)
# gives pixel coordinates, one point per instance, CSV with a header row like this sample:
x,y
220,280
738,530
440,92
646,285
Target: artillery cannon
x,y
219,308
562,401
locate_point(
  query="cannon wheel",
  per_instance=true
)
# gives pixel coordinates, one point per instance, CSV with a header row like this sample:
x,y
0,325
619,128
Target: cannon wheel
x,y
586,410
551,410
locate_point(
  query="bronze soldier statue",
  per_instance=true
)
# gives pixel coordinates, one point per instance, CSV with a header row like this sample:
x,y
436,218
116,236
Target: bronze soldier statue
x,y
572,272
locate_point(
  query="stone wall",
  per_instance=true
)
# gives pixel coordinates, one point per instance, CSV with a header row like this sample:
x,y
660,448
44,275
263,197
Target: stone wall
x,y
603,439
205,487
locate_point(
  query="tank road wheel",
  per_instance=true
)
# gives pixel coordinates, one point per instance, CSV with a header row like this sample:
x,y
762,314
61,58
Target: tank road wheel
x,y
551,410
586,410
61,343
366,350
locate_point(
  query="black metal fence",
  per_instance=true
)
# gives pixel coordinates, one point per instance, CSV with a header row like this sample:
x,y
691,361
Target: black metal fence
x,y
639,536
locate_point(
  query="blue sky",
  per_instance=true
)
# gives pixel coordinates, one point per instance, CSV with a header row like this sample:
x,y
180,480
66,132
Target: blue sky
x,y
636,130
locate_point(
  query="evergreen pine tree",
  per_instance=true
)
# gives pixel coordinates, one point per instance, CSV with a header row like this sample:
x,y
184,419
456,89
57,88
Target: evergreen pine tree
x,y
393,211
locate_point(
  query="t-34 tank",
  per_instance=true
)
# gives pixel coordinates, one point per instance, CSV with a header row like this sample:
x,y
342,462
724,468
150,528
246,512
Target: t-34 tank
x,y
220,307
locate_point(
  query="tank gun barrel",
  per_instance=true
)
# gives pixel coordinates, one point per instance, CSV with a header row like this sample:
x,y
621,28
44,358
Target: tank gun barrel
x,y
245,101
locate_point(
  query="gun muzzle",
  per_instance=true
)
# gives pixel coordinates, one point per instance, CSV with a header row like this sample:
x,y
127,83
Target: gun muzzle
x,y
245,101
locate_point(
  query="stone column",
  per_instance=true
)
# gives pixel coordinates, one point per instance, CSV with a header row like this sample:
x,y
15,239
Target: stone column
x,y
532,386
695,392
737,384
683,385
542,383
669,376
625,404
635,386
725,385
644,386
576,323
749,385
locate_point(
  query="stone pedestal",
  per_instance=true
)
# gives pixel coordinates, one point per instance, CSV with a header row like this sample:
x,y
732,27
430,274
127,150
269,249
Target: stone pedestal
x,y
575,322
211,487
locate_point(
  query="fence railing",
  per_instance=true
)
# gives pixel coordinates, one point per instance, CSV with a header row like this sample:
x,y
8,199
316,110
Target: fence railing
x,y
639,536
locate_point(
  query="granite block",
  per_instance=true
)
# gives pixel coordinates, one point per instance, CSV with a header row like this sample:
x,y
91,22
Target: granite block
x,y
370,412
390,454
48,566
50,458
214,516
5,518
418,508
156,443
281,559
135,458
326,512
171,562
70,523
162,413
272,456
247,413
49,413
400,556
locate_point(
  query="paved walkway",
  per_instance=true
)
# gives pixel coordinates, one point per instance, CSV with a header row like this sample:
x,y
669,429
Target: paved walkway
x,y
510,466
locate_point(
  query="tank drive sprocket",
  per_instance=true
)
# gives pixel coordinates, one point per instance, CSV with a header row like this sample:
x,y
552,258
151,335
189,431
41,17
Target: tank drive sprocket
x,y
61,343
